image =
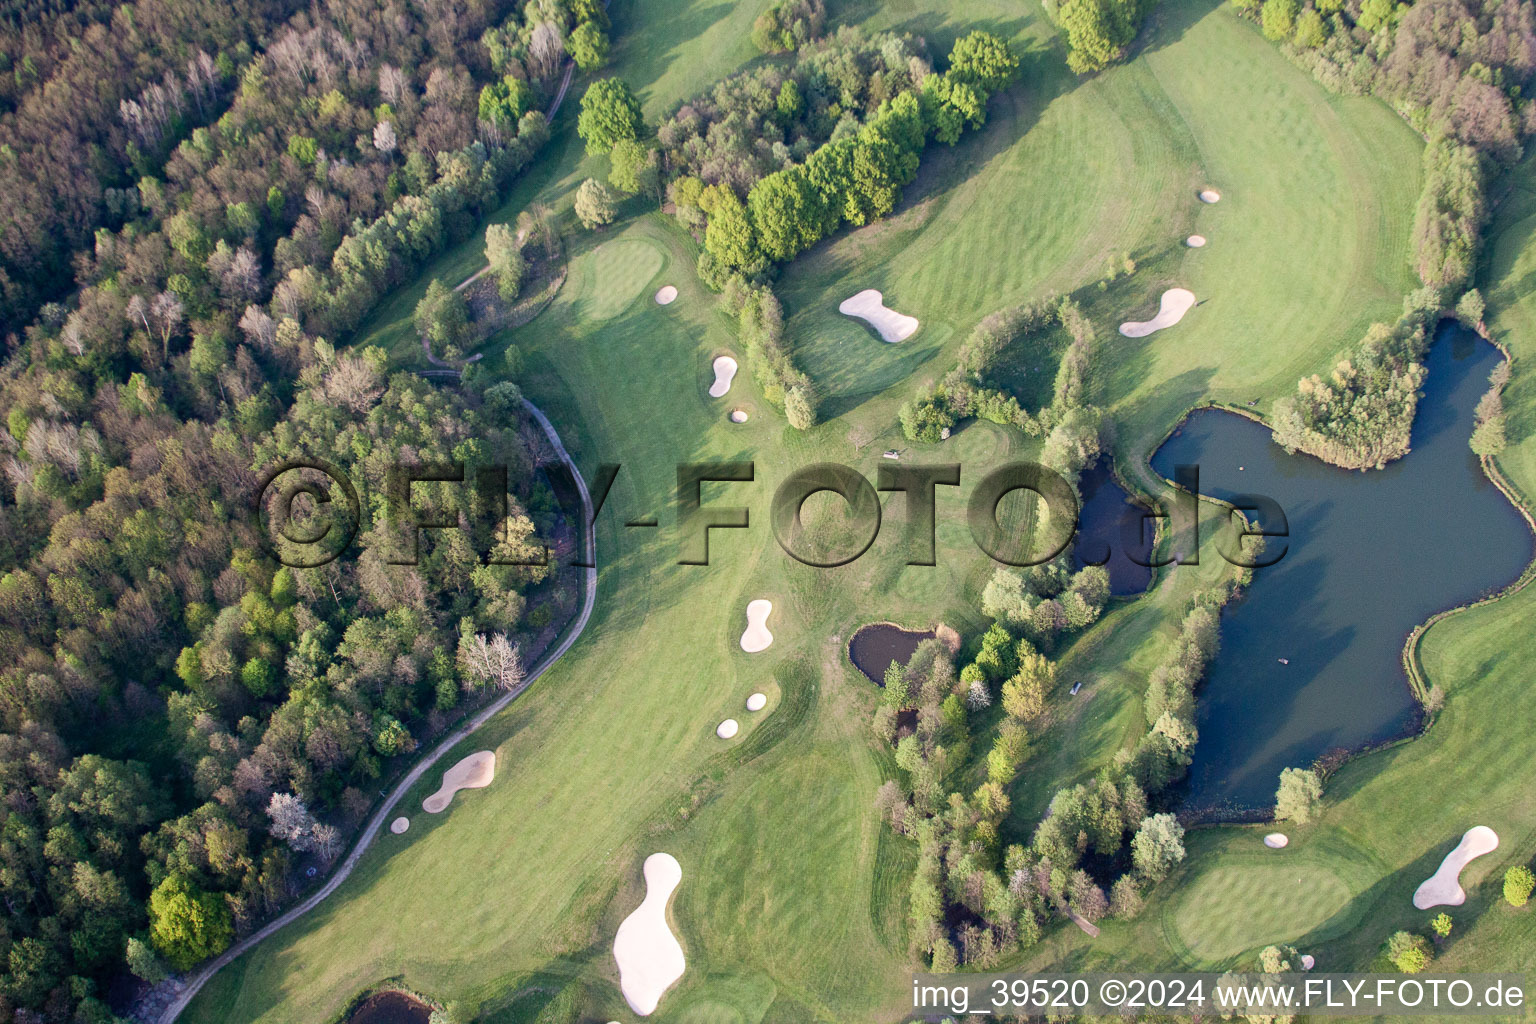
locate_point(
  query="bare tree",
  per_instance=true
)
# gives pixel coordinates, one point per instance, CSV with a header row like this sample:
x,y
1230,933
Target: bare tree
x,y
393,84
167,313
202,76
546,49
492,661
326,840
353,383
138,310
260,329
384,137
291,822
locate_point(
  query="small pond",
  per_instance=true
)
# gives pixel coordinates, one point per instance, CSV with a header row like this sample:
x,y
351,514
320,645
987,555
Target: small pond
x,y
875,646
1112,532
391,1008
1310,658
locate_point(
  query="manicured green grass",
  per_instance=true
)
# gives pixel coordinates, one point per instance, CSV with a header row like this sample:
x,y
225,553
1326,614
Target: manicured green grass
x,y
792,905
618,272
1254,896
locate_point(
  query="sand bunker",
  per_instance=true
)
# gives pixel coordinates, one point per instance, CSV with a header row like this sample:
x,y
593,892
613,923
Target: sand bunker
x,y
1276,840
1195,241
1443,888
869,305
757,638
1176,302
757,702
648,954
665,296
738,415
399,825
726,729
1308,961
725,372
474,772
1210,195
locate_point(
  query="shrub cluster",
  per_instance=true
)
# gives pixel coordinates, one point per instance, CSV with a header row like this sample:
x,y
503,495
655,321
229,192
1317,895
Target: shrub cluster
x,y
1361,415
1070,424
760,326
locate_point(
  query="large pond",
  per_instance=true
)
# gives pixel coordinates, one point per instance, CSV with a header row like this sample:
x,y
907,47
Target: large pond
x,y
1112,531
1371,555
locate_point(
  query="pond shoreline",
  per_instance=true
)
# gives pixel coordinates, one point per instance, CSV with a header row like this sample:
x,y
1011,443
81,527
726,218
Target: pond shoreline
x,y
1436,415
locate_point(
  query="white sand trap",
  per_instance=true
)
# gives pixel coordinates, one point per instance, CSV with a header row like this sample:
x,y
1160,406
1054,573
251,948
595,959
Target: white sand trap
x,y
1277,840
728,728
666,296
399,825
757,638
648,954
1195,241
738,415
757,702
1443,888
1210,195
725,372
1176,302
869,305
474,772
1308,961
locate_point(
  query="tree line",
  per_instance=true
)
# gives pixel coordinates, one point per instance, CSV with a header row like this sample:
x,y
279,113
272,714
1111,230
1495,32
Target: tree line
x,y
972,386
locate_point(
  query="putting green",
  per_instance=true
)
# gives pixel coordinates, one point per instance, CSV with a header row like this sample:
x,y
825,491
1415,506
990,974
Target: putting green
x,y
614,274
1241,901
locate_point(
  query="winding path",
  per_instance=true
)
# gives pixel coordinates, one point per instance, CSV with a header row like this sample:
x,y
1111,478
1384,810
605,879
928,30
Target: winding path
x,y
195,982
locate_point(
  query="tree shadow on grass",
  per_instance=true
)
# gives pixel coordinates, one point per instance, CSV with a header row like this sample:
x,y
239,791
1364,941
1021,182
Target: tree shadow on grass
x,y
1168,23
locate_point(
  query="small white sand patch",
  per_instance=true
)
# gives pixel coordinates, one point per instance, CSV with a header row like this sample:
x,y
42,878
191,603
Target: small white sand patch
x,y
1176,302
725,371
474,772
1195,241
757,702
1210,195
649,956
1308,961
726,729
757,638
399,825
1443,888
738,415
869,305
1276,840
665,296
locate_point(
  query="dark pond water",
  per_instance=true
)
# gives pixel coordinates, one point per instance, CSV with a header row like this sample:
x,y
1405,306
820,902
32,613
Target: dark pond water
x,y
874,647
1371,555
391,1008
1110,531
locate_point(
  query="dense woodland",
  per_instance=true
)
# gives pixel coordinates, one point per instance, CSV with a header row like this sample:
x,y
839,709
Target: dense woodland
x,y
185,725
1460,72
